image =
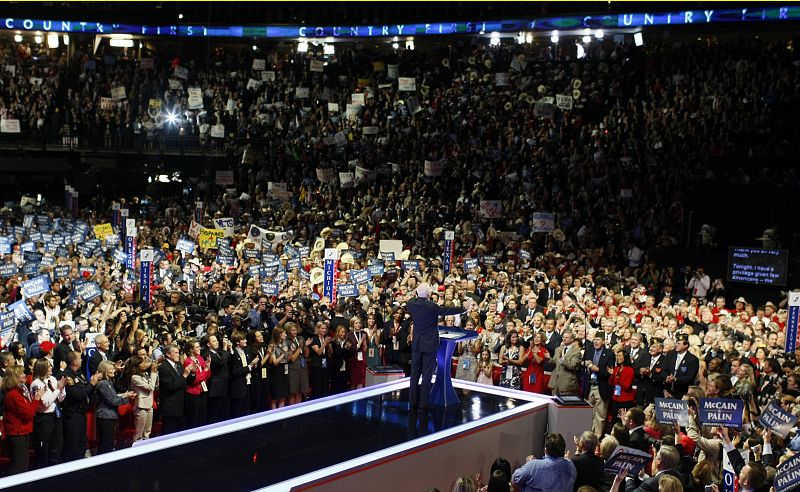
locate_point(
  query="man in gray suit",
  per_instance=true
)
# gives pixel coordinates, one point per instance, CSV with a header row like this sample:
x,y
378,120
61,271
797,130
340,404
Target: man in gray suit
x,y
424,343
564,380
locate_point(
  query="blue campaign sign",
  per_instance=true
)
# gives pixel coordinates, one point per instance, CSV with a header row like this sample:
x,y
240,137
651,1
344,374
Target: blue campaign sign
x,y
7,324
158,256
35,286
669,411
376,269
388,256
21,311
5,246
8,270
490,261
120,256
348,290
787,476
775,418
227,260
48,260
412,265
359,276
725,412
304,251
87,269
88,291
281,276
28,246
32,257
294,264
624,458
30,269
269,271
291,251
250,254
270,288
185,245
470,263
254,270
61,271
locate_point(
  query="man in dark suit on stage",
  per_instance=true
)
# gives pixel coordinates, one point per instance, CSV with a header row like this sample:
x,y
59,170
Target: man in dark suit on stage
x,y
650,373
596,390
172,378
681,368
424,343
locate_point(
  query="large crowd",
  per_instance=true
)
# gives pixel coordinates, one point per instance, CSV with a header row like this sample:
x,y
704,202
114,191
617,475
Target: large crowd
x,y
576,310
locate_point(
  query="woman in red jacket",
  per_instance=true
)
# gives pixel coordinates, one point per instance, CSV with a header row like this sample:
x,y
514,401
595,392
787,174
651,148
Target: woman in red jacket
x,y
19,411
623,395
197,390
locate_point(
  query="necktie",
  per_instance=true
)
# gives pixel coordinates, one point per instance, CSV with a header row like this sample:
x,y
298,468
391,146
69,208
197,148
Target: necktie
x,y
653,362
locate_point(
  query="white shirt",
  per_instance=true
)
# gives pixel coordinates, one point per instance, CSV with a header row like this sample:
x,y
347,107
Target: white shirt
x,y
51,395
678,360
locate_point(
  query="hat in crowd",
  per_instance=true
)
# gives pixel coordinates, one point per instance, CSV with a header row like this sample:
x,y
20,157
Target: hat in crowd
x,y
342,246
424,290
682,338
326,232
316,275
347,259
741,299
46,346
770,304
319,244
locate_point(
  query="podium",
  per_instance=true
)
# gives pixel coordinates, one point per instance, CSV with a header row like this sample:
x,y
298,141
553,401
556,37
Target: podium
x,y
442,392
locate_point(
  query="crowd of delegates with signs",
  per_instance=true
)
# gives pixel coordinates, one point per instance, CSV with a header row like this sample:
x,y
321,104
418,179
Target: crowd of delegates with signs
x,y
286,276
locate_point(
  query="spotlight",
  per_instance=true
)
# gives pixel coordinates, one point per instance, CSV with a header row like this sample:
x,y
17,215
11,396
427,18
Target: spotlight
x,y
554,37
180,16
638,39
587,39
255,48
599,34
17,38
494,39
172,118
302,47
37,39
395,46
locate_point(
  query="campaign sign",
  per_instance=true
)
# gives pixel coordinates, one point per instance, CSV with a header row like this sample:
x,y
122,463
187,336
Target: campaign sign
x,y
226,260
270,288
35,286
376,270
723,412
490,261
624,458
7,322
185,245
88,291
412,265
787,476
119,256
254,270
470,263
21,311
447,257
294,264
291,251
388,256
773,417
359,276
670,411
250,254
8,270
30,269
330,274
348,290
61,271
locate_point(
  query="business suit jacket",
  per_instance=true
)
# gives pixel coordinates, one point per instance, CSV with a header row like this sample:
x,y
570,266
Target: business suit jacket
x,y
218,384
545,295
589,468
555,341
94,361
638,440
564,380
239,367
651,484
606,360
395,356
525,314
172,387
685,374
425,314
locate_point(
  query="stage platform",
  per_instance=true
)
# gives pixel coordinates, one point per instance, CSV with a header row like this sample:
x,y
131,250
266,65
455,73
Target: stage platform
x,y
360,440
